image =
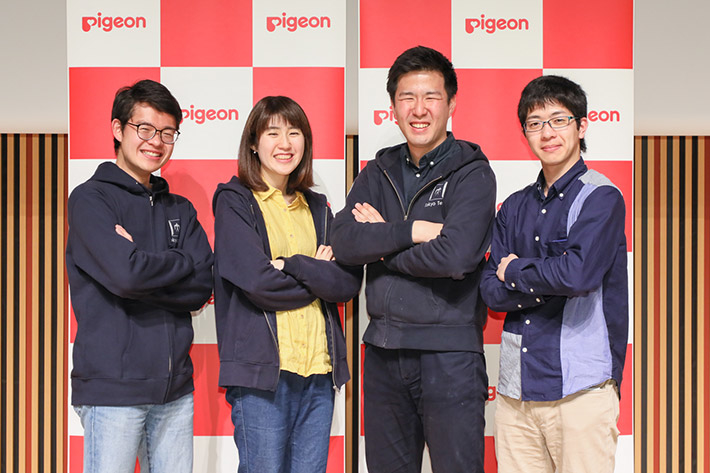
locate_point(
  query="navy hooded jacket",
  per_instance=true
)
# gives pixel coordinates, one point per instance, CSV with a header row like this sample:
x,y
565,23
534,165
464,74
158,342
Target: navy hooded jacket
x,y
422,296
132,300
249,290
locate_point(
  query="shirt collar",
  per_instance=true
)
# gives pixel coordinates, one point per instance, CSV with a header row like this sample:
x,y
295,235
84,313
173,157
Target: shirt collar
x,y
433,157
274,192
561,184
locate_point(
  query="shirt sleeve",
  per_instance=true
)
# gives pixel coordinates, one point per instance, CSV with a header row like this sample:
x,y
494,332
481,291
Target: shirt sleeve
x,y
239,252
588,253
465,236
493,291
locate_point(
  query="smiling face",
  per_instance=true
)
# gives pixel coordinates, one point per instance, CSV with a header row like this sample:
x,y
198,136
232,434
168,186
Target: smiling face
x,y
559,149
422,108
280,149
137,157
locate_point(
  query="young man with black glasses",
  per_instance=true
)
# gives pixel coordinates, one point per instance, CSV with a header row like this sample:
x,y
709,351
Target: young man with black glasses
x,y
558,268
138,261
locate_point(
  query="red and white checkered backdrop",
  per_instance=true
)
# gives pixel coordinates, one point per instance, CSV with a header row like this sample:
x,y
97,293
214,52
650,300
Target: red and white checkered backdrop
x,y
219,57
497,47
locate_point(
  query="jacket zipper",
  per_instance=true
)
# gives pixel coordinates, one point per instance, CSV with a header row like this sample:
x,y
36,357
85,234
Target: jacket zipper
x,y
268,323
411,202
333,356
165,322
276,344
405,213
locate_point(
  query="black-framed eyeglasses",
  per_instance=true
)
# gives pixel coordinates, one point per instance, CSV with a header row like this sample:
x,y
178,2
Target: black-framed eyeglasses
x,y
147,132
556,123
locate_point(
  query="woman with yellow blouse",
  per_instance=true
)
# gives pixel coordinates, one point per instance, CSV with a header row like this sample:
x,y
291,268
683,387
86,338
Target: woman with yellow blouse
x,y
281,344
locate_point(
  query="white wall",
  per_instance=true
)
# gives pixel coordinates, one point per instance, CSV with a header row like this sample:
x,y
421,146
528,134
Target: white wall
x,y
33,66
672,71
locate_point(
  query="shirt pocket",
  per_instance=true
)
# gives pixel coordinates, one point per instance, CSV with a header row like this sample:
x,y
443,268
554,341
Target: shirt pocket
x,y
556,247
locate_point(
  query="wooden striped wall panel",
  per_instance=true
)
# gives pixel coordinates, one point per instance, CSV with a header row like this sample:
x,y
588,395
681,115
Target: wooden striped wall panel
x,y
33,319
671,299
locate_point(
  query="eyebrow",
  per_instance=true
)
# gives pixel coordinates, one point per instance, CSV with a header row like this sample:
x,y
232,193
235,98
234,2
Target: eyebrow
x,y
428,92
553,114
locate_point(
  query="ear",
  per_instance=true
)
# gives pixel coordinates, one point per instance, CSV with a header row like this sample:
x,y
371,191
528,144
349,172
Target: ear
x,y
582,127
452,106
117,129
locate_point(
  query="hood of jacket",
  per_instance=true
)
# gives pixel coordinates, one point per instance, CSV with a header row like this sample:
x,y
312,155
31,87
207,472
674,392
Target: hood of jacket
x,y
389,159
110,173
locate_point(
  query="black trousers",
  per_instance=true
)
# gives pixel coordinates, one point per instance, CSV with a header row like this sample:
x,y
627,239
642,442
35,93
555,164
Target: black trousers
x,y
416,396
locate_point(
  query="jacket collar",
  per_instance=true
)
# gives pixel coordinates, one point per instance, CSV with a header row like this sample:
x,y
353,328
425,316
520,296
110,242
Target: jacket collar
x,y
389,159
109,172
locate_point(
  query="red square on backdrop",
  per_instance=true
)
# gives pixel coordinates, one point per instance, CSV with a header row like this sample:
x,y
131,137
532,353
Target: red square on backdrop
x,y
336,454
320,91
212,411
76,453
494,328
72,324
487,111
218,33
389,28
91,94
621,174
588,35
197,180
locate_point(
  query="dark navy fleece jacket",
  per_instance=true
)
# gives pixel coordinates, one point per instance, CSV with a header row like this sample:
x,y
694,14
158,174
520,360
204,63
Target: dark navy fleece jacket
x,y
132,300
422,296
249,290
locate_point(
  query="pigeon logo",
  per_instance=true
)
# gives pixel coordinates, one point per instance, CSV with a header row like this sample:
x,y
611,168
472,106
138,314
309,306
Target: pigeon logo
x,y
108,23
200,115
492,393
491,25
382,115
604,116
292,23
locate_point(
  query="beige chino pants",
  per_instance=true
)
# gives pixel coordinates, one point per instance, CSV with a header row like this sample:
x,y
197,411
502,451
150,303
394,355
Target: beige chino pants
x,y
576,434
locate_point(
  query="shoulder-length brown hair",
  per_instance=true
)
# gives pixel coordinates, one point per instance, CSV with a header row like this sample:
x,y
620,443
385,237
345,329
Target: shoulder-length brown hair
x,y
301,179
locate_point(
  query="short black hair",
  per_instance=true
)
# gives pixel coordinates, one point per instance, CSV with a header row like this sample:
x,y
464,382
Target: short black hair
x,y
553,89
421,58
148,92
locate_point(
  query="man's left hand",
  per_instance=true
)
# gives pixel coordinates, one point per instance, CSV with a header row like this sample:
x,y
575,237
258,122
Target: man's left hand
x,y
500,272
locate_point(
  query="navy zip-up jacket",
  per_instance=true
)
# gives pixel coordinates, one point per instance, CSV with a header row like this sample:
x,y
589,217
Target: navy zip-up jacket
x,y
132,300
422,296
249,290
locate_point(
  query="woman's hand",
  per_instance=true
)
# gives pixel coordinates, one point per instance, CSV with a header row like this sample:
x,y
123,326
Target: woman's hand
x,y
278,264
325,253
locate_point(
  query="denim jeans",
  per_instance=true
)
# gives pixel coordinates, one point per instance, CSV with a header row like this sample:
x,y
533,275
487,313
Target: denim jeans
x,y
113,434
287,431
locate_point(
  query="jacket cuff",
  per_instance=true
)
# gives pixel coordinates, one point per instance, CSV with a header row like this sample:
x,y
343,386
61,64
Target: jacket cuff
x,y
403,234
292,266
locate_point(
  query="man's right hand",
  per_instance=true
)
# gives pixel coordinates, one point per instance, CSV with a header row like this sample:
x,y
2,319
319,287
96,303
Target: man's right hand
x,y
424,231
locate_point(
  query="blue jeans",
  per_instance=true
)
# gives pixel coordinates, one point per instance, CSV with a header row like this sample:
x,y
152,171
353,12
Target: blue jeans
x,y
113,435
287,431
